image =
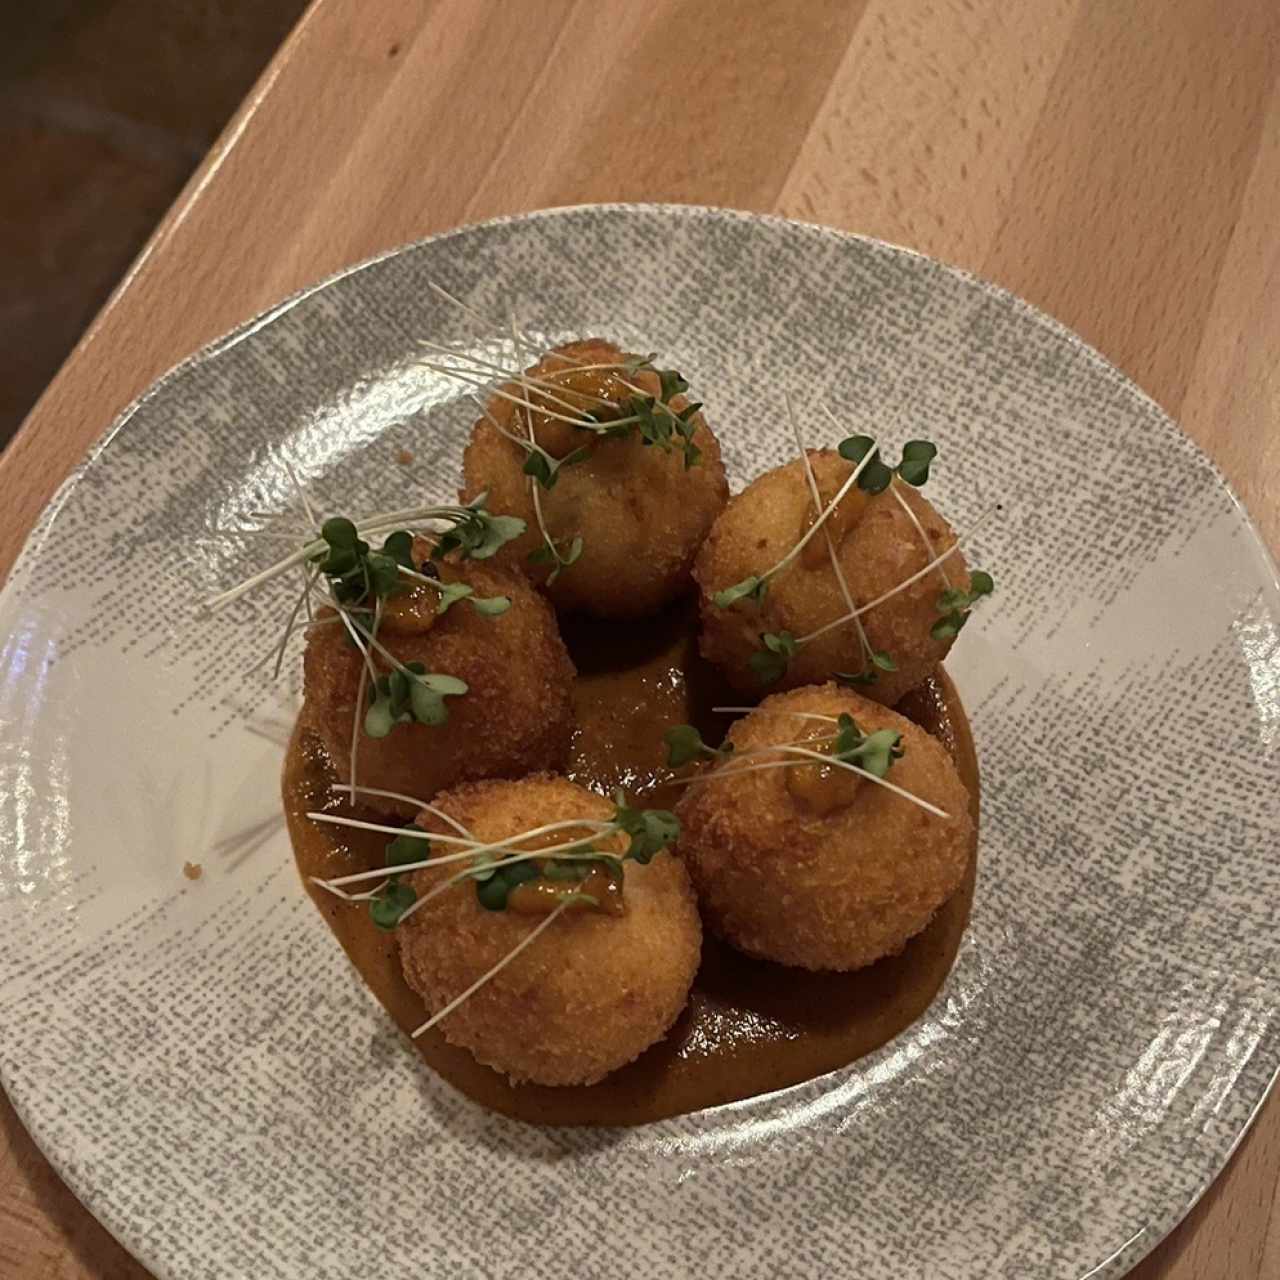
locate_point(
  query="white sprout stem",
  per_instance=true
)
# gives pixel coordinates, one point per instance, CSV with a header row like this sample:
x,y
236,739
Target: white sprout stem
x,y
471,311
533,482
492,973
836,567
420,577
277,651
493,864
518,336
768,711
905,583
924,537
302,494
468,842
864,773
528,855
306,595
729,771
354,634
376,523
473,851
374,643
421,804
528,380
822,517
476,380
358,715
355,731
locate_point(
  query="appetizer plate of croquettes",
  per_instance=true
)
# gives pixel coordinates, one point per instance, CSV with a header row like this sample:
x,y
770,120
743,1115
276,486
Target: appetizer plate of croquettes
x,y
635,740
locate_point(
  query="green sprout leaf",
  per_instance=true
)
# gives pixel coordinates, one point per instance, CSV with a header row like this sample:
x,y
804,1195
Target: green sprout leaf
x,y
752,588
980,584
883,660
955,605
545,469
408,694
651,830
857,678
671,383
493,891
771,662
916,457
479,535
405,849
684,743
450,594
873,752
390,903
875,475
550,553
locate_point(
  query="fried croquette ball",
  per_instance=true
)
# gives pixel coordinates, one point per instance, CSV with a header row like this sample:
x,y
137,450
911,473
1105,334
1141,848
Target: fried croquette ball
x,y
515,718
811,865
879,546
640,512
594,990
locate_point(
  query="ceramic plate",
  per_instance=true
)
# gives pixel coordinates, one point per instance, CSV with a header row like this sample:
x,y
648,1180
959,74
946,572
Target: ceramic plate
x,y
204,1068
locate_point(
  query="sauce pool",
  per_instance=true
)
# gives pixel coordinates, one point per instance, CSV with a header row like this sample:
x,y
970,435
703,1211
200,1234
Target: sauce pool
x,y
750,1026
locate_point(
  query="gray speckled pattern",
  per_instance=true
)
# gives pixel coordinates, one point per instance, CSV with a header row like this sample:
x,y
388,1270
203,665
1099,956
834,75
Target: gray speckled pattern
x,y
203,1067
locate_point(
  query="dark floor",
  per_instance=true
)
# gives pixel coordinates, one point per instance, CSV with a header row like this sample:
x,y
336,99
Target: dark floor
x,y
106,106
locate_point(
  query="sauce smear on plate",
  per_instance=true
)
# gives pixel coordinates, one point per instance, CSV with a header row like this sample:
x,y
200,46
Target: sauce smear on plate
x,y
750,1026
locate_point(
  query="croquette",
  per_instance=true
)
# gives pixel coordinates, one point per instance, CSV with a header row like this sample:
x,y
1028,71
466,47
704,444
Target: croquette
x,y
640,512
515,718
829,872
589,994
879,546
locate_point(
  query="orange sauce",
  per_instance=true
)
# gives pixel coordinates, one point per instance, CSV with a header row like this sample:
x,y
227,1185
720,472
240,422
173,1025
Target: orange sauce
x,y
750,1026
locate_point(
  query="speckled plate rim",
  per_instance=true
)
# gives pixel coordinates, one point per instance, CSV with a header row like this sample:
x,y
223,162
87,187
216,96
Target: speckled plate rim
x,y
1128,1253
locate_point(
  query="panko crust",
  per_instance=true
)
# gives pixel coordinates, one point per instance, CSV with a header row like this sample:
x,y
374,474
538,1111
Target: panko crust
x,y
836,892
516,717
593,991
641,515
762,523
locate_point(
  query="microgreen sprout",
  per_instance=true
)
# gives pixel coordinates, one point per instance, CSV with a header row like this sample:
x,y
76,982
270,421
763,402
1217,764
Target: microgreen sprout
x,y
873,660
868,755
410,693
451,592
478,535
651,830
873,752
551,553
684,743
652,417
770,662
753,587
390,901
526,941
475,533
917,455
880,661
955,604
648,831
907,582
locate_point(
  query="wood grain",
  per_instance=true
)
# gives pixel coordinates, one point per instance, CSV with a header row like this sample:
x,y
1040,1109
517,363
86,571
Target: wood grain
x,y
1116,162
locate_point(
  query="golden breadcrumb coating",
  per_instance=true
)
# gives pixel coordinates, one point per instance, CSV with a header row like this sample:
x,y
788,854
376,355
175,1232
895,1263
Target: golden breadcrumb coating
x,y
516,717
588,995
640,513
824,891
878,546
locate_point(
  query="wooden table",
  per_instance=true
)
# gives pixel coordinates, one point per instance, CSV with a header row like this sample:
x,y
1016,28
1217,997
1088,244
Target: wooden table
x,y
1117,162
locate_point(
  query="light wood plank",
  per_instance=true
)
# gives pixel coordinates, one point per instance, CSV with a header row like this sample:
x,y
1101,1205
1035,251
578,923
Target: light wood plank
x,y
1116,163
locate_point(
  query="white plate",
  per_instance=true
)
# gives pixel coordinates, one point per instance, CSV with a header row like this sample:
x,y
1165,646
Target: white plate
x,y
204,1068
